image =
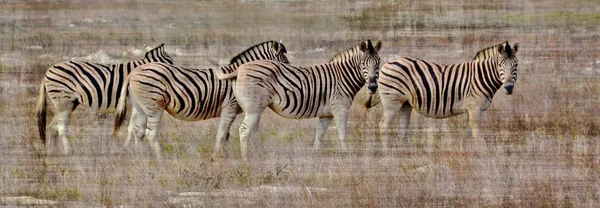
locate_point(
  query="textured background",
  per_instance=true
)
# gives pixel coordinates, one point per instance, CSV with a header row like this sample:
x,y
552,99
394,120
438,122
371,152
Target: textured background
x,y
543,137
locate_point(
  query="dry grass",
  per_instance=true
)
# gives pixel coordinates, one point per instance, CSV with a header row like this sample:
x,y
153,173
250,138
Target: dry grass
x,y
543,137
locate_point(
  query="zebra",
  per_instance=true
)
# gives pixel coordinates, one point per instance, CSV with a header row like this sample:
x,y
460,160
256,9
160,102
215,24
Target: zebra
x,y
365,101
98,86
441,91
325,91
186,94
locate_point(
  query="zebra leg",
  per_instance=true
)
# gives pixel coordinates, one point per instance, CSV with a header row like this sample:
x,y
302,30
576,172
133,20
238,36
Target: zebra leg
x,y
341,122
63,118
474,117
53,132
322,125
131,128
152,132
249,127
139,126
227,117
256,143
405,113
390,110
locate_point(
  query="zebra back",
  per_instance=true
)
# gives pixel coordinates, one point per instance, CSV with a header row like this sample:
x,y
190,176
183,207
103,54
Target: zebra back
x,y
250,53
95,85
157,54
271,50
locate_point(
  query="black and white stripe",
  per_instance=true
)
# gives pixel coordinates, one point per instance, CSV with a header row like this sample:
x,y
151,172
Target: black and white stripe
x,y
98,86
441,91
325,91
186,94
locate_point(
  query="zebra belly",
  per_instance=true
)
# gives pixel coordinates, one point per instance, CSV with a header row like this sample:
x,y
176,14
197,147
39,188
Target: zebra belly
x,y
106,107
59,95
199,105
190,118
288,112
456,110
197,115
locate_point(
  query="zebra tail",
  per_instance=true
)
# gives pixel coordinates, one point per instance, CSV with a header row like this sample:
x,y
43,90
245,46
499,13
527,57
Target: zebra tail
x,y
121,107
40,108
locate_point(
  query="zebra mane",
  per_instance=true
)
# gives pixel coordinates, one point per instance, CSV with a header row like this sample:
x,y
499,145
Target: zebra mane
x,y
488,52
158,48
351,51
266,45
344,54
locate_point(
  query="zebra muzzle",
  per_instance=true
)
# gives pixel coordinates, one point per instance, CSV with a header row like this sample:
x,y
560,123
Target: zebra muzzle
x,y
372,87
508,88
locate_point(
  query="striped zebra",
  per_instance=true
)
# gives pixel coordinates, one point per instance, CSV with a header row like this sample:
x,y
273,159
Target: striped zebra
x,y
363,98
365,101
325,91
441,91
98,86
186,94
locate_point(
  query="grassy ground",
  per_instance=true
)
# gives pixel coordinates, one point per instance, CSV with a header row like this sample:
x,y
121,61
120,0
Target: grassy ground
x,y
543,137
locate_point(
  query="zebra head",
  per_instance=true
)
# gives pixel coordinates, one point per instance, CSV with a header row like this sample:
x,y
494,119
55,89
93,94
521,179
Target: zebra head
x,y
278,52
158,54
507,66
369,63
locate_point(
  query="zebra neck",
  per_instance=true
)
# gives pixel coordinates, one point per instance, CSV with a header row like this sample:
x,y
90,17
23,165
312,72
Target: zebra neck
x,y
137,63
487,78
133,64
348,74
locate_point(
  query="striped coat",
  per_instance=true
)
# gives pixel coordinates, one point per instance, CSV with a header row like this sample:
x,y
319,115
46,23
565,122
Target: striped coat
x,y
325,91
186,94
98,86
441,91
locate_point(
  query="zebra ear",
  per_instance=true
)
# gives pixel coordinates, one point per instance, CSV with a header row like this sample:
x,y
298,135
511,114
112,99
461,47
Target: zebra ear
x,y
276,47
378,45
500,48
515,48
364,47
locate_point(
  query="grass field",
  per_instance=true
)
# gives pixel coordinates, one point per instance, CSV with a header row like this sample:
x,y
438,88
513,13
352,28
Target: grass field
x,y
543,138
